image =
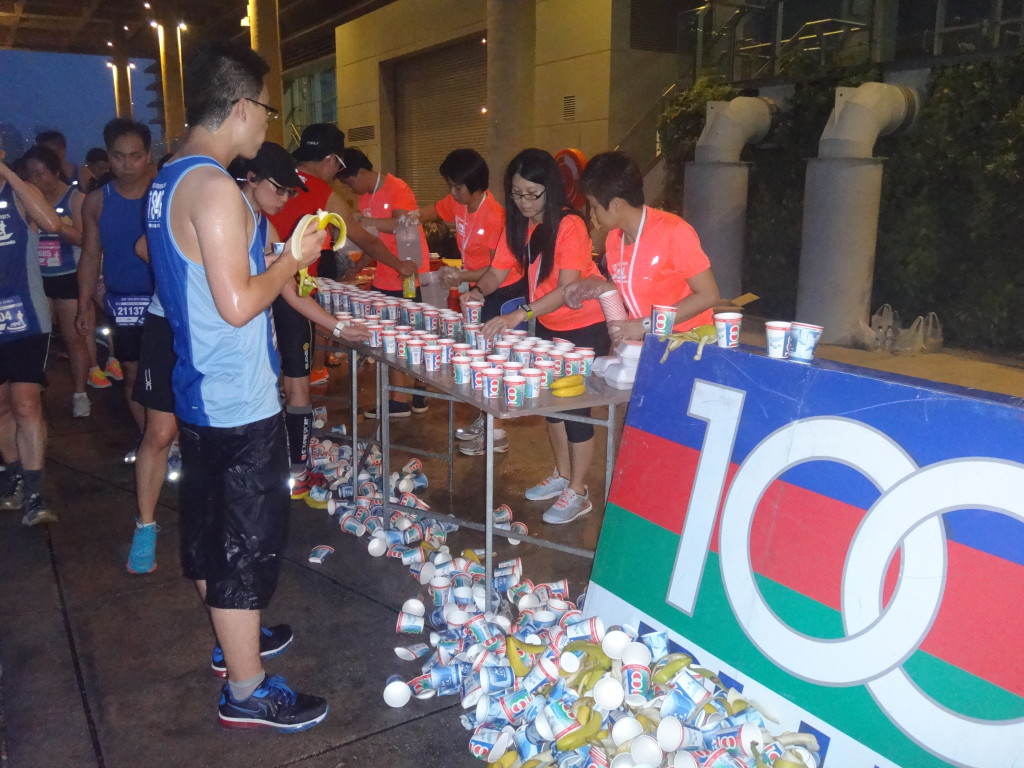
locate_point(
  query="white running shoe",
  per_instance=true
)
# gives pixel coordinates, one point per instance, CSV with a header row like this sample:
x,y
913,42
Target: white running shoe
x,y
570,505
549,488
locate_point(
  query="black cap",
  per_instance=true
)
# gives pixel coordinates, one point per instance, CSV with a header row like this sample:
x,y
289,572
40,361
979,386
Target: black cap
x,y
318,141
274,162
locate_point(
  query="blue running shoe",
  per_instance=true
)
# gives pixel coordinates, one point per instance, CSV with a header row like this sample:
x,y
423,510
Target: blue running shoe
x,y
142,557
272,705
273,642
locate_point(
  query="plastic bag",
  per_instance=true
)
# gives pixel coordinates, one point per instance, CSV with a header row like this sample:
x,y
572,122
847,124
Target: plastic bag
x,y
910,341
932,333
886,325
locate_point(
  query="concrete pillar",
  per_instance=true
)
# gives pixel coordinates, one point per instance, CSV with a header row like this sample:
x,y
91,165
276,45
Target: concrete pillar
x,y
170,75
122,84
510,65
837,252
715,204
883,31
265,39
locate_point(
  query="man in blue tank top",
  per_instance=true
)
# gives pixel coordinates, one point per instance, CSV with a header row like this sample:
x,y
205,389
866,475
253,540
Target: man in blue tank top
x,y
24,341
112,222
216,289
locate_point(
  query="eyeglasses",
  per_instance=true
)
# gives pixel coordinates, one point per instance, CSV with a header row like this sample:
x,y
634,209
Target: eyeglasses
x,y
288,192
271,112
341,163
528,196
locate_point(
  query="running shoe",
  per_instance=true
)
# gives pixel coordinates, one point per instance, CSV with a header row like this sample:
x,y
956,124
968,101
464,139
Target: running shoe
x,y
333,359
549,488
396,410
478,445
142,557
98,379
420,404
174,463
318,377
302,484
472,431
12,496
36,512
272,705
273,642
570,505
113,369
80,405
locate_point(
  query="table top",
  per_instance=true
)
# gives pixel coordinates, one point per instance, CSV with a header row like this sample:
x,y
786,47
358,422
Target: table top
x,y
598,392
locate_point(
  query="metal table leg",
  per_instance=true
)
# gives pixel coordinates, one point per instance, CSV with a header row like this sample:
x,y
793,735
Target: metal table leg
x,y
489,512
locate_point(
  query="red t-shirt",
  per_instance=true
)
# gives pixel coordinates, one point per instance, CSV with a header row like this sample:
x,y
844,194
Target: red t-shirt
x,y
392,194
572,251
284,221
477,233
669,255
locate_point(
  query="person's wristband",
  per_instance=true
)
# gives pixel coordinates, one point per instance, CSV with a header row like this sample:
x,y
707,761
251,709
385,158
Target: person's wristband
x,y
528,310
337,329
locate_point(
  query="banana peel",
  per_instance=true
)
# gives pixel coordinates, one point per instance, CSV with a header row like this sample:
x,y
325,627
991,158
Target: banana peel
x,y
669,666
576,380
570,391
322,219
702,334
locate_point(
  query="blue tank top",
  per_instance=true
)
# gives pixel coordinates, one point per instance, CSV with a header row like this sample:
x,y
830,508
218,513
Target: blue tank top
x,y
23,308
121,225
58,257
224,376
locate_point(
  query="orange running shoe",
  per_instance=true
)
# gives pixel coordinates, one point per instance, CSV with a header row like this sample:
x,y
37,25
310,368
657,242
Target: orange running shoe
x,y
113,369
97,378
318,377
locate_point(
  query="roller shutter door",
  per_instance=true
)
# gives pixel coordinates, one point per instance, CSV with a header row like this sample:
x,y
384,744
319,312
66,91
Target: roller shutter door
x,y
438,98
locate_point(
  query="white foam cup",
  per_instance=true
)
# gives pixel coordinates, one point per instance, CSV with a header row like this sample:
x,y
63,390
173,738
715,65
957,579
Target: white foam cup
x,y
414,606
626,728
636,653
608,692
615,642
396,692
377,546
645,751
777,337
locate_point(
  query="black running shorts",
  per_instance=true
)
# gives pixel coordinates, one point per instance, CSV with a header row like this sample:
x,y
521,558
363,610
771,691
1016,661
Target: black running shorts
x,y
156,363
234,510
23,361
294,339
61,286
596,337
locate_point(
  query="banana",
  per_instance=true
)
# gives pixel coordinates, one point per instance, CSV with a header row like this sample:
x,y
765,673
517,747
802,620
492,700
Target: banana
x,y
516,658
507,760
323,219
670,666
569,391
568,381
580,736
593,650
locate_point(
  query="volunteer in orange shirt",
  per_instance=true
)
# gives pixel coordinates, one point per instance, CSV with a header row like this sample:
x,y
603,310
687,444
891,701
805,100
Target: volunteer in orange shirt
x,y
548,243
382,198
653,257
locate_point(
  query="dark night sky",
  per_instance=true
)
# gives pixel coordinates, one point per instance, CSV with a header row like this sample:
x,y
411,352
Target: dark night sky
x,y
69,92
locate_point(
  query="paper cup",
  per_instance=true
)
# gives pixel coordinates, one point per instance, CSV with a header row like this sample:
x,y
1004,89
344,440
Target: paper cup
x,y
515,391
402,346
415,351
645,751
615,642
476,373
587,355
397,693
777,337
472,310
388,342
547,368
572,364
492,383
446,346
626,728
663,317
608,692
673,734
727,326
533,377
803,338
409,623
460,369
432,358
611,304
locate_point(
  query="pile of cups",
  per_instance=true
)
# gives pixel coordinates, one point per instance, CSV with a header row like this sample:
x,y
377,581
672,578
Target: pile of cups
x,y
513,366
553,688
785,339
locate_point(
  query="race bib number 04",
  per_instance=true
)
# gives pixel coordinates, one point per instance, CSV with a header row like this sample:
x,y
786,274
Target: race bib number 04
x,y
12,316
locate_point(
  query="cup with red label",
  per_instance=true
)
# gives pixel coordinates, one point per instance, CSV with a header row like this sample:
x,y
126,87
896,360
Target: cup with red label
x,y
432,358
777,337
492,382
446,346
472,311
415,351
515,391
476,369
533,378
547,368
803,338
663,317
727,327
460,369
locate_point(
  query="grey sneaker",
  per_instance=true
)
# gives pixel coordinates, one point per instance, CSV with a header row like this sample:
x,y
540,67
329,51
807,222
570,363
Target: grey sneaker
x,y
80,405
478,445
36,512
570,505
549,488
12,495
471,432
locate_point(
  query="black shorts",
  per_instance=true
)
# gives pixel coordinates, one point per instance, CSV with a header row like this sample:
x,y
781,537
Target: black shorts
x,y
23,361
61,286
127,341
294,339
234,510
492,303
595,336
327,265
156,363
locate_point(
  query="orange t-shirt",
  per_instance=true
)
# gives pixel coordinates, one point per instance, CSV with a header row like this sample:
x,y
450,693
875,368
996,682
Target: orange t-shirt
x,y
477,233
284,221
392,194
572,251
669,255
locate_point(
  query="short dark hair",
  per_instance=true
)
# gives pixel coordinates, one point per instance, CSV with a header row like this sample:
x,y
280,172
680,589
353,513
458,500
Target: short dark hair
x,y
96,155
52,137
217,76
610,175
355,160
47,157
121,126
466,166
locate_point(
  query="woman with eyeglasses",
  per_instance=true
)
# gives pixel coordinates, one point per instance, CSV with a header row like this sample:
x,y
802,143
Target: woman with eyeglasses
x,y
548,242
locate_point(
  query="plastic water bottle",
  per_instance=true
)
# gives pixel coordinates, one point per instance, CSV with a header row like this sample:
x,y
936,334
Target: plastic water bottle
x,y
407,235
